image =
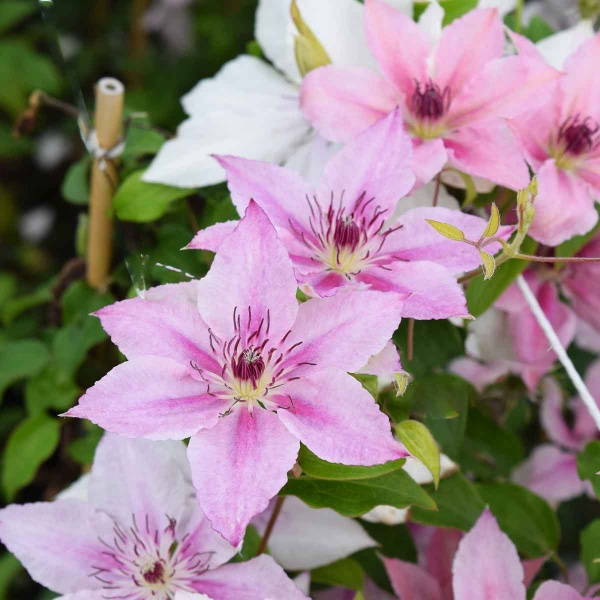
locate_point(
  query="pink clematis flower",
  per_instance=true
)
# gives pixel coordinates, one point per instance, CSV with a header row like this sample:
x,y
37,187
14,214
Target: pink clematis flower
x,y
453,92
234,362
486,565
140,535
342,234
551,470
561,141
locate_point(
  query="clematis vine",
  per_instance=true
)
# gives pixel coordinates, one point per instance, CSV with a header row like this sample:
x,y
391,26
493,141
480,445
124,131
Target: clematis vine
x,y
341,234
234,362
551,470
454,90
139,535
486,565
561,143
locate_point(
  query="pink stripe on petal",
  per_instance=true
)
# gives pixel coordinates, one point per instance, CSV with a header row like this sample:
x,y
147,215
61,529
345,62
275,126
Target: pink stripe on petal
x,y
238,466
252,270
339,420
150,397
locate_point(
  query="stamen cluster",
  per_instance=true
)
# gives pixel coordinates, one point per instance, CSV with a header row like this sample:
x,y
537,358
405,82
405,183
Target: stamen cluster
x,y
149,563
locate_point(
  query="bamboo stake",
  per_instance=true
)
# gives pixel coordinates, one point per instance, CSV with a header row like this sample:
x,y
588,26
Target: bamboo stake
x,y
109,130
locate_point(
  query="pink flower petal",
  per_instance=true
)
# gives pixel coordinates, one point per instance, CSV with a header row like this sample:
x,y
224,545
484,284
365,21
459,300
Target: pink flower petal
x,y
150,397
550,473
580,88
487,564
581,285
212,237
434,292
505,87
465,47
257,579
553,419
280,192
166,322
238,466
564,206
57,542
552,590
377,162
339,420
411,582
344,330
429,158
529,342
252,270
532,567
439,557
341,102
399,45
385,363
488,150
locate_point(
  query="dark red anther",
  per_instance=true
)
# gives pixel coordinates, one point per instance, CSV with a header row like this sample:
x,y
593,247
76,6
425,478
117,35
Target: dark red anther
x,y
346,233
429,101
249,365
155,574
578,136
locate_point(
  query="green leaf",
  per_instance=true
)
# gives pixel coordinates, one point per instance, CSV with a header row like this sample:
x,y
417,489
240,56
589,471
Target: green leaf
x,y
319,469
353,498
50,389
80,300
29,445
442,401
20,359
459,505
75,187
491,229
11,147
395,541
250,545
141,202
83,449
538,29
26,70
448,231
526,518
10,567
588,465
590,550
141,141
344,573
72,343
14,307
420,443
489,449
436,343
481,294
453,9
14,11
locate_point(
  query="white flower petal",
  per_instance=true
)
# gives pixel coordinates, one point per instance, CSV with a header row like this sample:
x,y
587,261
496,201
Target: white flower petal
x,y
558,47
247,110
305,538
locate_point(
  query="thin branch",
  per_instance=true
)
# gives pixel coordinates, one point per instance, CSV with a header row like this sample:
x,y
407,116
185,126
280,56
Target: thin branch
x,y
270,525
411,338
436,193
557,346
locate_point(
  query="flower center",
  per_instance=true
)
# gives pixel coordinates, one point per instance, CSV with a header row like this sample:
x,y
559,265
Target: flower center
x,y
154,573
345,243
249,366
577,136
429,103
149,562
